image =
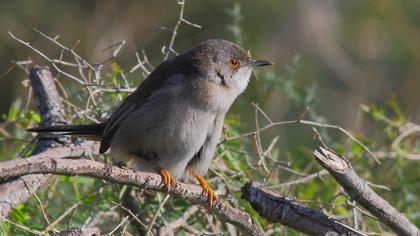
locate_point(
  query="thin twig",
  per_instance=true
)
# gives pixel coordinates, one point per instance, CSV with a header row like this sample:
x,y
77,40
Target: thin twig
x,y
305,122
25,228
168,49
150,227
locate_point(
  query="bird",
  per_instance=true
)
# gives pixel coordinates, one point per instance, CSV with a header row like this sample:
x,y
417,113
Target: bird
x,y
172,122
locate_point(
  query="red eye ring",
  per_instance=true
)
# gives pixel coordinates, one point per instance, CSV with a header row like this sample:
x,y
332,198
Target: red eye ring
x,y
233,63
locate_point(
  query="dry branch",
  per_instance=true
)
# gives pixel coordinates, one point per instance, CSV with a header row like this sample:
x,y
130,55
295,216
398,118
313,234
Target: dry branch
x,y
79,232
275,208
359,190
15,191
47,164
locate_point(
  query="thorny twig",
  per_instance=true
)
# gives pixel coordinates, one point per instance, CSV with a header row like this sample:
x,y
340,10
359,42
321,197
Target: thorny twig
x,y
304,122
142,63
54,62
169,48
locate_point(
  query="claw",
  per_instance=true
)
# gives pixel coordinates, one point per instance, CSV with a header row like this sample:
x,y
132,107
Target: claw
x,y
211,196
121,164
167,179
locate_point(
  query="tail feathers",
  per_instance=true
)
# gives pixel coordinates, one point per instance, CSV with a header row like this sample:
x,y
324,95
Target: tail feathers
x,y
91,130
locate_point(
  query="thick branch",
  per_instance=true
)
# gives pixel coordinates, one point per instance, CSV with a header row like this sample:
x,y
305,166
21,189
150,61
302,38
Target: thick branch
x,y
50,105
275,208
44,164
358,189
15,191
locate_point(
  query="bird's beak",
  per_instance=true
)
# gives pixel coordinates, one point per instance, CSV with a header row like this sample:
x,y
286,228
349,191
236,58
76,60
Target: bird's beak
x,y
258,63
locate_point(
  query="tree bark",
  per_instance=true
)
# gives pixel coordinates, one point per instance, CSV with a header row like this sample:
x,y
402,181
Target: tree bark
x,y
358,189
50,105
47,163
275,208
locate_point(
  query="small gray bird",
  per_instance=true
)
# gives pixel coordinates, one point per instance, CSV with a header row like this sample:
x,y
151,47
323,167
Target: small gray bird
x,y
172,122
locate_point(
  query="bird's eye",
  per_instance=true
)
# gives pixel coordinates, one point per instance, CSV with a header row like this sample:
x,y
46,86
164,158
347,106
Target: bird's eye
x,y
233,63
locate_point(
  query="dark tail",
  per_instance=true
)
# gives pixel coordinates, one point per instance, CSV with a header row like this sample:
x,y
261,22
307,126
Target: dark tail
x,y
93,131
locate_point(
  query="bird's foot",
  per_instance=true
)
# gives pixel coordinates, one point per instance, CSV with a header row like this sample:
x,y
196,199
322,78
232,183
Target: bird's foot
x,y
211,196
167,178
121,164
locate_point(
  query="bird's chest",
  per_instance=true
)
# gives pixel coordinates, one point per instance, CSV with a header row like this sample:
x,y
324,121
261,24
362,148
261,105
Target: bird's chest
x,y
187,129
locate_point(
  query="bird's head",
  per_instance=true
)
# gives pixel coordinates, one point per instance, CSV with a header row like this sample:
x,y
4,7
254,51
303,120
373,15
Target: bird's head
x,y
226,64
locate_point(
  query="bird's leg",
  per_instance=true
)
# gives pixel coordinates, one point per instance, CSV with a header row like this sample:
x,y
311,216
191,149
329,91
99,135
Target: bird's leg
x,y
167,178
211,196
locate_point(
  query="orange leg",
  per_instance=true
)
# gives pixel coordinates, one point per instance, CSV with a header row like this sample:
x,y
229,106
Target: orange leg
x,y
167,179
211,196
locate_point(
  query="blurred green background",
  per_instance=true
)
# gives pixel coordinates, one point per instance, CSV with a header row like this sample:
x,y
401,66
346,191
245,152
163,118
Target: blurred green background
x,y
353,51
330,56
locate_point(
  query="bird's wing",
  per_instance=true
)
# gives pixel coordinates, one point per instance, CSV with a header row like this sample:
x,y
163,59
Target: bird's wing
x,y
152,83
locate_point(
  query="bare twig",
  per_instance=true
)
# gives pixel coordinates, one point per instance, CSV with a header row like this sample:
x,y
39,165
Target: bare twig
x,y
22,227
44,213
304,122
300,180
132,214
61,217
54,62
150,227
141,64
168,49
258,144
118,46
118,226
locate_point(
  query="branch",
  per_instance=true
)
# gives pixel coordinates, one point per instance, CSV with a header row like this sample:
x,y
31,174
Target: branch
x,y
15,191
181,19
78,232
275,208
50,105
359,190
44,163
